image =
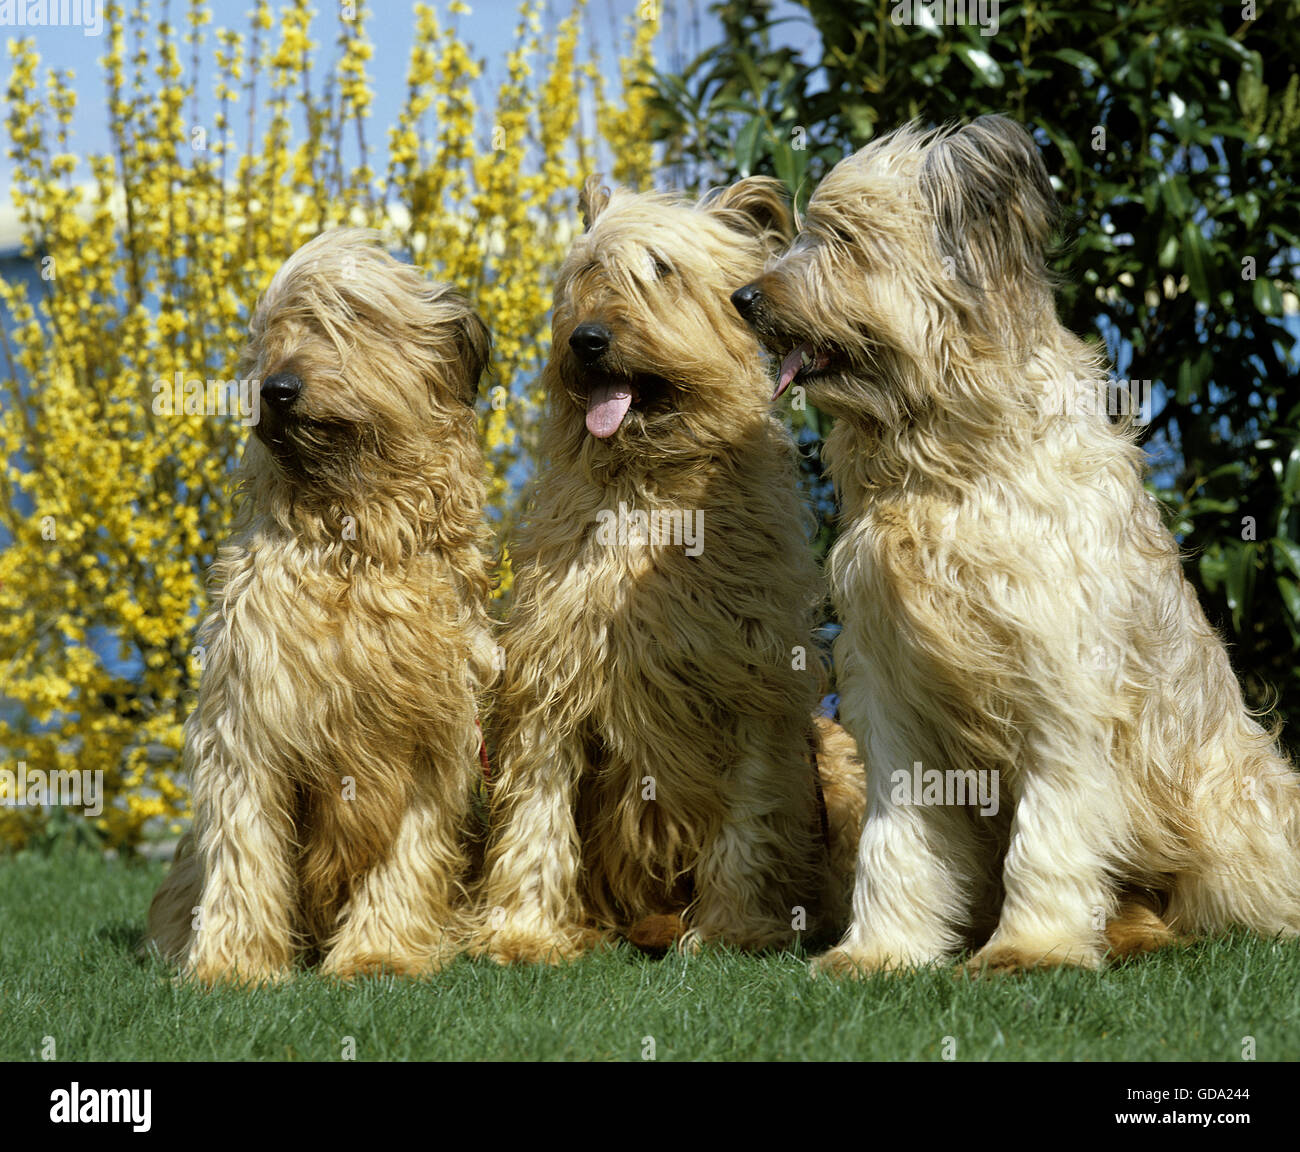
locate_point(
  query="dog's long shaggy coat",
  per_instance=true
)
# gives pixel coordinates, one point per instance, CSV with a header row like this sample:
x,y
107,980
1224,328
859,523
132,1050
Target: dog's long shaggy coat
x,y
334,748
1012,602
654,714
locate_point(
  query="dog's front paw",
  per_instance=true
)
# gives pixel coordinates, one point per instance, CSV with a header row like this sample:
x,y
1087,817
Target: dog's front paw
x,y
215,973
381,964
850,962
517,947
1007,959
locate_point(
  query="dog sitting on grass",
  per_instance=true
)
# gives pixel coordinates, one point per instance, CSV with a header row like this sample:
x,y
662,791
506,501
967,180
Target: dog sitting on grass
x,y
334,749
1012,603
654,718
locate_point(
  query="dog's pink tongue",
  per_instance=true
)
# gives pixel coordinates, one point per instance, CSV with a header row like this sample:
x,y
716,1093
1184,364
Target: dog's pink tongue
x,y
606,407
790,368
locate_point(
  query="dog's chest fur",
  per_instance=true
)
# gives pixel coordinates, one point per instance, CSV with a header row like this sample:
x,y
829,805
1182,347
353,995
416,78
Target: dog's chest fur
x,y
682,655
358,673
1043,582
709,629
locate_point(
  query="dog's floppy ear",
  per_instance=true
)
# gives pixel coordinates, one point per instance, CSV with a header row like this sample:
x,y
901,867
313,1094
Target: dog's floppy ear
x,y
592,200
473,353
757,206
993,203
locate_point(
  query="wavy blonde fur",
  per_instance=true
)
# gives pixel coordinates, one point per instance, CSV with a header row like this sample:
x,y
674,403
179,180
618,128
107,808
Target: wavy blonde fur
x,y
1011,600
334,749
654,715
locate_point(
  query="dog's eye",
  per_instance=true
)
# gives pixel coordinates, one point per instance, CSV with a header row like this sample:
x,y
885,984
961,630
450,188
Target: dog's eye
x,y
662,269
839,235
826,230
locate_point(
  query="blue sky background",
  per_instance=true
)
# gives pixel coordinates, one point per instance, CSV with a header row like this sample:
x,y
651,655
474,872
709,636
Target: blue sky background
x,y
490,29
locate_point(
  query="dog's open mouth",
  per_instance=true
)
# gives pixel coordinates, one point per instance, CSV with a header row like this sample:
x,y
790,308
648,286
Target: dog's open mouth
x,y
611,398
607,404
801,363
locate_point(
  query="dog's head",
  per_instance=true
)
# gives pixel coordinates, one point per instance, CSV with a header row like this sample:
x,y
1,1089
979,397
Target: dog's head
x,y
920,250
649,360
364,366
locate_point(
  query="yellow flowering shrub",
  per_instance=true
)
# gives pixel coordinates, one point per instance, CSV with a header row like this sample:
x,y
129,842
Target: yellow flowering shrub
x,y
115,480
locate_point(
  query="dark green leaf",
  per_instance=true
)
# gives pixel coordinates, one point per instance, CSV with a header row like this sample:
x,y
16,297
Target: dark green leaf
x,y
747,145
981,63
1286,556
1196,261
1076,59
1239,579
1267,296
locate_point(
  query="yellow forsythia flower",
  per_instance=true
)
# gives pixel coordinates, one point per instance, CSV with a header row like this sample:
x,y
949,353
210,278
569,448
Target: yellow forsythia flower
x,y
148,258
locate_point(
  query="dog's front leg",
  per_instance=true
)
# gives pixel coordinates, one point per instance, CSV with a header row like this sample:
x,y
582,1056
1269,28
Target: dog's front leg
x,y
1066,838
917,863
403,916
243,926
532,909
909,895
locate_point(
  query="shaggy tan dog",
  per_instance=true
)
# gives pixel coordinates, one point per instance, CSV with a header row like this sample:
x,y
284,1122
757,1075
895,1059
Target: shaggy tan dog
x,y
334,748
1014,611
654,715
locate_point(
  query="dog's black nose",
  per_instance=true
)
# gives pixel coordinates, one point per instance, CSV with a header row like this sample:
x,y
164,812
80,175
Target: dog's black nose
x,y
746,299
590,341
281,390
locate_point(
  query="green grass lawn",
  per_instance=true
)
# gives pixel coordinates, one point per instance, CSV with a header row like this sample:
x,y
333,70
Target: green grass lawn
x,y
68,970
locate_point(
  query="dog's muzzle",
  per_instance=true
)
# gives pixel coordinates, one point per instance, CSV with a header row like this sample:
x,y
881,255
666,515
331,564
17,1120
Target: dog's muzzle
x,y
746,301
590,342
281,390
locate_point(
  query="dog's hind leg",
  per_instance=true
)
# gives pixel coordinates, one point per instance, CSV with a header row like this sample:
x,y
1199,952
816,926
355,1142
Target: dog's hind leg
x,y
173,910
844,788
759,880
1244,840
1138,925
